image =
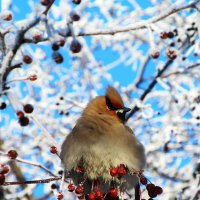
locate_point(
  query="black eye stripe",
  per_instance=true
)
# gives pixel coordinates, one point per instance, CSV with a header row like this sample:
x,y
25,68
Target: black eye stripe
x,y
110,105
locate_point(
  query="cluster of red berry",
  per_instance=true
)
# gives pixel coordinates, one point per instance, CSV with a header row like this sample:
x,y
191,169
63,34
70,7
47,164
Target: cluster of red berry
x,y
4,169
170,53
113,193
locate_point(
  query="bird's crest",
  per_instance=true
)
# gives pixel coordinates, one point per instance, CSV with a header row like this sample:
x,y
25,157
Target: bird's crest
x,y
113,99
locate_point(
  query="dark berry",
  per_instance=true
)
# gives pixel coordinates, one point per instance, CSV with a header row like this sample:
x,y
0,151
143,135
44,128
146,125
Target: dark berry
x,y
2,179
158,190
57,57
60,172
19,114
75,46
54,186
170,34
150,186
76,1
4,169
24,121
143,180
3,105
172,44
62,42
74,16
27,59
28,108
45,2
53,150
183,58
12,154
55,46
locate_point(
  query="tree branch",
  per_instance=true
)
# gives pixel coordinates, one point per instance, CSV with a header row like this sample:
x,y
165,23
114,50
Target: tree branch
x,y
150,87
47,180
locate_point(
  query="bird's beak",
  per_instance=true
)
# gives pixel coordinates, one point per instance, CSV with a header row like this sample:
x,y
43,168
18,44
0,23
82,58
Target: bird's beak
x,y
126,109
121,113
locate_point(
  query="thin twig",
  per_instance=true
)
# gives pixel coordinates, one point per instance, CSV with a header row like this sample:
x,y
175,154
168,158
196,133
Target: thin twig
x,y
181,72
47,180
6,73
30,163
150,87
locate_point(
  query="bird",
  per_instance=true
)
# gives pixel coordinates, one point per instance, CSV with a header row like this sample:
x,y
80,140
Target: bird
x,y
101,141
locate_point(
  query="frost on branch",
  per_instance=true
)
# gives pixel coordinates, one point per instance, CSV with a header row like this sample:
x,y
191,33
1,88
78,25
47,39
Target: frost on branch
x,y
57,57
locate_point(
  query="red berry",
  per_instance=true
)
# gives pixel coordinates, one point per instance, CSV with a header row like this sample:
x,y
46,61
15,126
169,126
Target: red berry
x,y
27,59
158,190
143,180
45,2
76,1
171,54
33,77
12,154
155,54
121,170
91,196
79,189
28,108
164,35
8,17
80,197
113,192
37,37
114,171
19,114
98,194
2,179
75,46
60,196
53,150
23,121
71,187
57,57
4,169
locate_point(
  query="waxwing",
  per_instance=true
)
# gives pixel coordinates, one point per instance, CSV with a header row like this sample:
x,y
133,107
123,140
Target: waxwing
x,y
101,142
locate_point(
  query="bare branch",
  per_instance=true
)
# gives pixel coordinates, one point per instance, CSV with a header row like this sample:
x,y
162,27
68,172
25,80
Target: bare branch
x,y
47,180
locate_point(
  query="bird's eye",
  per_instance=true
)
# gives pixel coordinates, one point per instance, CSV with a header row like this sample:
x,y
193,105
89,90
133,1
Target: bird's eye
x,y
110,105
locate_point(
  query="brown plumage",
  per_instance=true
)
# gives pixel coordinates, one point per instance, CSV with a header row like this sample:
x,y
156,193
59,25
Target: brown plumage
x,y
99,141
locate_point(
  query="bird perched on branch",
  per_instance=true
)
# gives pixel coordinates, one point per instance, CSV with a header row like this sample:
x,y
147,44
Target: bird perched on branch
x,y
100,145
